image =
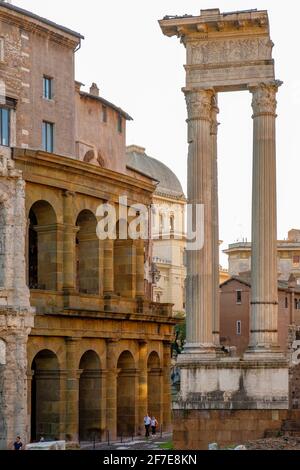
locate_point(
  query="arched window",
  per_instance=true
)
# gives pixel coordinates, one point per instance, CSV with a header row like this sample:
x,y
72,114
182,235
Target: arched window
x,y
42,247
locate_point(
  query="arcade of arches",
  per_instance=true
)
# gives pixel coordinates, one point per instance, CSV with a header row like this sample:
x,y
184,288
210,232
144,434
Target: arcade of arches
x,y
99,352
79,398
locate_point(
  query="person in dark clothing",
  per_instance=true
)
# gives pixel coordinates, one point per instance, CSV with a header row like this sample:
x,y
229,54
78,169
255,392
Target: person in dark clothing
x,y
18,444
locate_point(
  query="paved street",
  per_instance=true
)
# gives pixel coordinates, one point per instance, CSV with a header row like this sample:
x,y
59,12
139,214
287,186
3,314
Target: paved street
x,y
138,443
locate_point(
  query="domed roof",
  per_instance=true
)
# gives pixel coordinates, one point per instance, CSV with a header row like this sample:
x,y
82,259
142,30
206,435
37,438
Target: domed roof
x,y
169,184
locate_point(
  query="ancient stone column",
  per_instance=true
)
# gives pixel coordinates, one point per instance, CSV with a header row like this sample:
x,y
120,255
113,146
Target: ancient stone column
x,y
143,383
166,382
264,293
72,389
69,267
140,269
111,388
215,222
201,285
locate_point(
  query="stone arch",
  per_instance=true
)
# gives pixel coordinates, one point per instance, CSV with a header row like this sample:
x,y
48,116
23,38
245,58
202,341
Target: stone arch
x,y
42,246
126,394
154,385
90,397
87,254
45,396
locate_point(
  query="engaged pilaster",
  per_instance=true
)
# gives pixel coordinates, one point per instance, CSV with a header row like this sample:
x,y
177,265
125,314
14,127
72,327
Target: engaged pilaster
x,y
264,297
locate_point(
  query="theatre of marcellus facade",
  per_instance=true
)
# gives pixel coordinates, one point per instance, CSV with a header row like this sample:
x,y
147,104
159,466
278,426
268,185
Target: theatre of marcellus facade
x,y
83,350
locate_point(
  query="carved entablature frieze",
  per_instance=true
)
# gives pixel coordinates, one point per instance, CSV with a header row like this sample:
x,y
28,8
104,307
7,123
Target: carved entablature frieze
x,y
229,50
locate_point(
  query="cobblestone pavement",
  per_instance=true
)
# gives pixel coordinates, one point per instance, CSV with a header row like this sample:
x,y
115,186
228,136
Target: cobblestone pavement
x,y
138,443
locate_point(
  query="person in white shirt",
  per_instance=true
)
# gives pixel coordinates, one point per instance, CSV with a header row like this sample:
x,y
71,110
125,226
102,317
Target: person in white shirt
x,y
154,424
147,423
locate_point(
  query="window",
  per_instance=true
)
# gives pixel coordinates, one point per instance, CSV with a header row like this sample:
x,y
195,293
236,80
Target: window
x,y
172,223
296,260
239,327
48,88
161,224
48,136
158,298
104,114
286,303
120,124
238,296
4,126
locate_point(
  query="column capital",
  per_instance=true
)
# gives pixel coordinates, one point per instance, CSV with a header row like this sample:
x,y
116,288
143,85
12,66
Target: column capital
x,y
199,103
69,194
264,97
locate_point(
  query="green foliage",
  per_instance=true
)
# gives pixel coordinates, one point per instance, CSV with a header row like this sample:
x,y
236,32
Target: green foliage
x,y
180,336
167,445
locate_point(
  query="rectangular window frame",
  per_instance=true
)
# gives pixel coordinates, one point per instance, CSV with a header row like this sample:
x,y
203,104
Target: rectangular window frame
x,y
48,136
239,327
47,88
5,117
104,114
120,124
239,297
286,302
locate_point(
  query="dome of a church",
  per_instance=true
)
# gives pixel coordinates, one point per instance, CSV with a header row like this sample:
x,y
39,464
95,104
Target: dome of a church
x,y
169,184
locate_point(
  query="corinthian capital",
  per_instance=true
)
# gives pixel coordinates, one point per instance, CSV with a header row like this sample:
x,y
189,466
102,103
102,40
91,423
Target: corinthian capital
x,y
264,97
199,104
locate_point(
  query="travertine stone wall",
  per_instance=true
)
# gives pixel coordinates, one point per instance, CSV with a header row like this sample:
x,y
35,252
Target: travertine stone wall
x,y
16,315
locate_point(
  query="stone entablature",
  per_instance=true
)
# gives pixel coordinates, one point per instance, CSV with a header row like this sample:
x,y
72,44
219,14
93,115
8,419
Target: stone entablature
x,y
229,50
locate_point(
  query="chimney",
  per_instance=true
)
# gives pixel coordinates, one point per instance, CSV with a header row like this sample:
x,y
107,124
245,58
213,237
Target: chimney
x,y
135,149
94,90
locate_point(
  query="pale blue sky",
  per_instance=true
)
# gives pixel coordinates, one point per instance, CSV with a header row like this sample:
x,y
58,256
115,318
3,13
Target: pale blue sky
x,y
141,70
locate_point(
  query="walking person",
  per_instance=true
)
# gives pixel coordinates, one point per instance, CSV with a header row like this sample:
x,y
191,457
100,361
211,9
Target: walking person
x,y
154,424
18,444
147,423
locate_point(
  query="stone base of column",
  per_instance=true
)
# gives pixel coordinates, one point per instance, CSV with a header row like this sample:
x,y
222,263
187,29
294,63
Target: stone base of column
x,y
273,354
232,383
193,352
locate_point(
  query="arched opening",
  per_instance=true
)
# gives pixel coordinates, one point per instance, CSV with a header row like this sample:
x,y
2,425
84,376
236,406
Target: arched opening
x,y
154,386
87,254
45,396
126,390
124,263
42,247
89,398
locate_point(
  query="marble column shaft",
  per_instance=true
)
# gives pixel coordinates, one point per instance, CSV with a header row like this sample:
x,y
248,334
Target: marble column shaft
x,y
215,222
264,292
201,286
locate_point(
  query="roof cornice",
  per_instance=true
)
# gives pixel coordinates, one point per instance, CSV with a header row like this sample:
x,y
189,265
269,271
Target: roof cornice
x,y
35,24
